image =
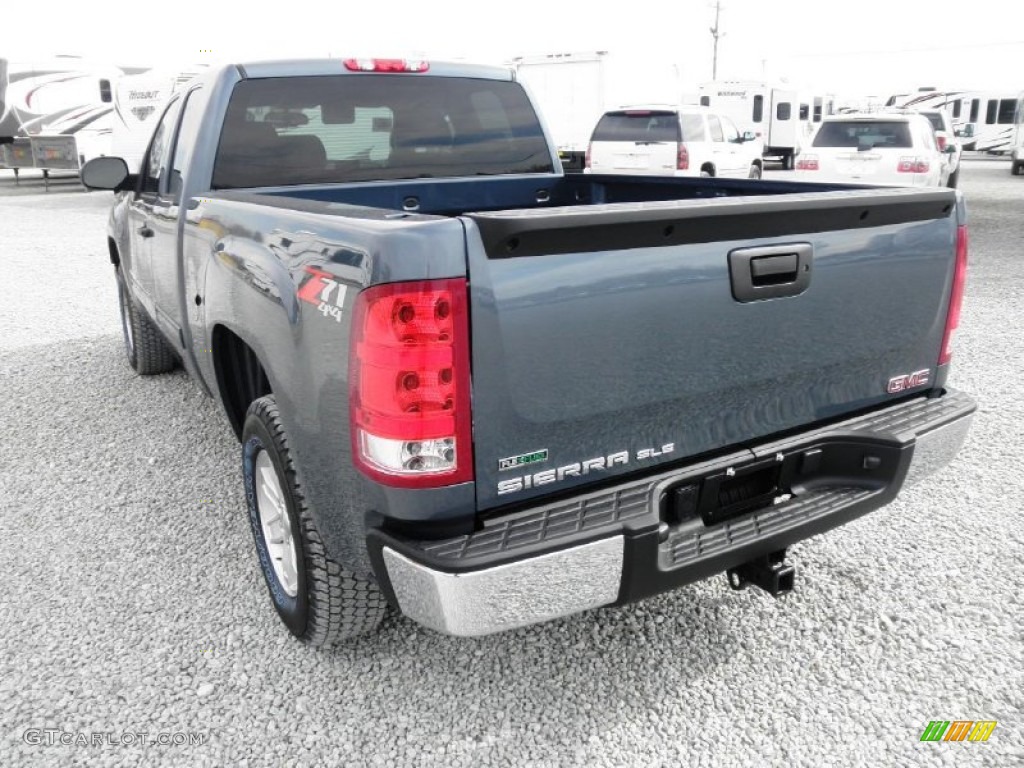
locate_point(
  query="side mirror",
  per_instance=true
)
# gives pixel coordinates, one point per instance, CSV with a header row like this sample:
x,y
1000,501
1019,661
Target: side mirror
x,y
105,173
748,136
951,148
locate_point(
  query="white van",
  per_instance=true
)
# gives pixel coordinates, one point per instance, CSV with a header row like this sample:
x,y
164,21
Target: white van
x,y
672,141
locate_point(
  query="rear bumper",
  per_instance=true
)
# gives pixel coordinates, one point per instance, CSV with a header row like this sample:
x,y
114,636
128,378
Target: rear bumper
x,y
627,542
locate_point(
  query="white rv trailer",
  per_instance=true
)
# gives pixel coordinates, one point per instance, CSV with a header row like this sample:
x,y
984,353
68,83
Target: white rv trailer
x,y
138,103
573,91
1017,144
55,114
783,117
983,120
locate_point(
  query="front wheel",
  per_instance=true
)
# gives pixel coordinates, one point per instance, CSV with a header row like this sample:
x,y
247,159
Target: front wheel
x,y
1017,168
755,171
147,351
318,600
789,161
954,179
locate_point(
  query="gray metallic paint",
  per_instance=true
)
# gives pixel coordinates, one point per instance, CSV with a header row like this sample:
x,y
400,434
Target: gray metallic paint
x,y
243,256
653,349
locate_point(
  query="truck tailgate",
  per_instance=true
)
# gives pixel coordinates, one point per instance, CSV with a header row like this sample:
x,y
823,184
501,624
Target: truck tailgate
x,y
610,339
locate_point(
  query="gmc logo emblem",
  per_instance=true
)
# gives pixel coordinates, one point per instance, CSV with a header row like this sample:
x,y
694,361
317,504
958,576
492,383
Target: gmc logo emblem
x,y
908,381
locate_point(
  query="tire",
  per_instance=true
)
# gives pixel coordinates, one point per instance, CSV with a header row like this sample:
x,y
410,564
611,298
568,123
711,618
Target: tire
x,y
954,179
1016,168
317,599
148,353
706,173
755,171
788,161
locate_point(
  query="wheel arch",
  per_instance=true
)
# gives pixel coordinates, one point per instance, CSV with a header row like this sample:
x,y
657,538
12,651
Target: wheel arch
x,y
240,375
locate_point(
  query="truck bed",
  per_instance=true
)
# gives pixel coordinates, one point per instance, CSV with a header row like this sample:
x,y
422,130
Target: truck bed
x,y
453,197
609,319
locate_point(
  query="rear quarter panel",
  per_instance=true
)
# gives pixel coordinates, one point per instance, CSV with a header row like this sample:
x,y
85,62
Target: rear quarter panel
x,y
247,256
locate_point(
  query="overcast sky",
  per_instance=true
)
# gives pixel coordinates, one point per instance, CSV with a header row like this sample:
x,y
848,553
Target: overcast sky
x,y
866,47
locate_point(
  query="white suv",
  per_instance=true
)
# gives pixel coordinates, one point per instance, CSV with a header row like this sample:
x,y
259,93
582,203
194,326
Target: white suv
x,y
672,141
875,148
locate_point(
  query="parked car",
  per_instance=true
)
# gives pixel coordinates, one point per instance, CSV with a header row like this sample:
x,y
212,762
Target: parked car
x,y
488,394
947,141
892,149
675,141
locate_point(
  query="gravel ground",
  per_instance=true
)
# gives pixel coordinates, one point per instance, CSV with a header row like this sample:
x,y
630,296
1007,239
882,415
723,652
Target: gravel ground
x,y
134,603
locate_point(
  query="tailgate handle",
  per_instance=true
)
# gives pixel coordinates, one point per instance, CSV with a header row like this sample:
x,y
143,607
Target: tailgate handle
x,y
770,272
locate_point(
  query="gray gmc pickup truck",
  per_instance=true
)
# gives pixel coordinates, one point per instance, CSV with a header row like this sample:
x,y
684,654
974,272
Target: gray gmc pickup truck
x,y
486,394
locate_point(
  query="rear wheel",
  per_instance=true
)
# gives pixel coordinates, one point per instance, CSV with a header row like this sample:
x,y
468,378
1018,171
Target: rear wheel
x,y
318,600
1017,168
788,161
755,171
954,179
707,172
147,351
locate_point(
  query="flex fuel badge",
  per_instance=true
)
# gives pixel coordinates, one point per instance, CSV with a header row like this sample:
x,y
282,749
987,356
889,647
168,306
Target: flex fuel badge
x,y
522,459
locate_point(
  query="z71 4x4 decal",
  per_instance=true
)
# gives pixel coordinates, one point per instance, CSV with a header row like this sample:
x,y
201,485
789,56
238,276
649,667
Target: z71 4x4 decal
x,y
324,291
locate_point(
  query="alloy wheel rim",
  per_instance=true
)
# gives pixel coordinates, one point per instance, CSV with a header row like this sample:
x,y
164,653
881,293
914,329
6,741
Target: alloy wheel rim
x,y
276,524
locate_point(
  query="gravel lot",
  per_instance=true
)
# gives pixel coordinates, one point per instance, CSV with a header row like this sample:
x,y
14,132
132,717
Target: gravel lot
x,y
134,603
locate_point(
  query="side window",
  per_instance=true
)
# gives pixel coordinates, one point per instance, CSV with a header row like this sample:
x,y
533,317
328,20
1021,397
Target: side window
x,y
729,130
184,144
705,101
975,110
990,111
1007,108
783,110
927,133
758,109
805,112
715,126
956,108
156,161
693,127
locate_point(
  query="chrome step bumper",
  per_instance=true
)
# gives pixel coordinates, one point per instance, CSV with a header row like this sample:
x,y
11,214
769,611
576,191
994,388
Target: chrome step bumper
x,y
612,546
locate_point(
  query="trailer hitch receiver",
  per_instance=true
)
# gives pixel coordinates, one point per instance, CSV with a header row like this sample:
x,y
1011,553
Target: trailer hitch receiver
x,y
769,572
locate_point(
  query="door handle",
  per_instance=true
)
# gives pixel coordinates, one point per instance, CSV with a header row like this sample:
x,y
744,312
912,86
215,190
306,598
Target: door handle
x,y
145,231
770,272
774,270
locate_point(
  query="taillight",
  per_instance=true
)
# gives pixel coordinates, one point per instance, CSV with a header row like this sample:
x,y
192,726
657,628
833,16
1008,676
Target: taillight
x,y
409,384
807,163
956,295
941,141
682,158
586,157
912,165
386,65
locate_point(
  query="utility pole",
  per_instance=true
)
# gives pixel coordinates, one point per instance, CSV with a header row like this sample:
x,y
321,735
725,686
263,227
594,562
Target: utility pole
x,y
716,34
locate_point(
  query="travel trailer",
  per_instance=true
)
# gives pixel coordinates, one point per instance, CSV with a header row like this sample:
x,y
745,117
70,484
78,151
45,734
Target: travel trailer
x,y
138,103
55,114
781,116
983,120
